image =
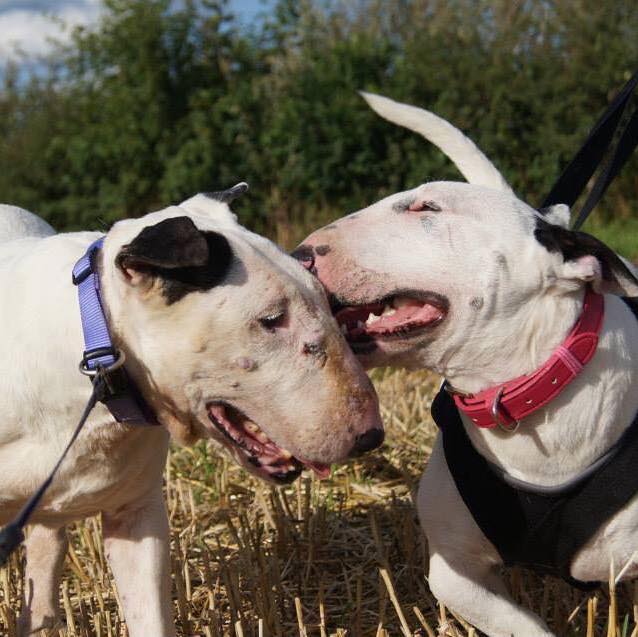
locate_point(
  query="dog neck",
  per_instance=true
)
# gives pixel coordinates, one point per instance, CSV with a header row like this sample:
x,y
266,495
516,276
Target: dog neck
x,y
506,404
495,353
578,426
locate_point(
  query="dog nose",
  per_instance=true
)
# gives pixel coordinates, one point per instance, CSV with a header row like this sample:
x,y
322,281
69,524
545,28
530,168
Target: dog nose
x,y
305,255
367,441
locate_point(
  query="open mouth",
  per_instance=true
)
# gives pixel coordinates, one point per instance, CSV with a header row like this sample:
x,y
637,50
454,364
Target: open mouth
x,y
269,459
397,316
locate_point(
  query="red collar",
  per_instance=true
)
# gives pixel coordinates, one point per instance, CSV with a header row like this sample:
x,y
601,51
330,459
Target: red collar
x,y
507,404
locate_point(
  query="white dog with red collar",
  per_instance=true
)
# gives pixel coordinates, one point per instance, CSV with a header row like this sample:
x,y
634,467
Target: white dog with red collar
x,y
469,281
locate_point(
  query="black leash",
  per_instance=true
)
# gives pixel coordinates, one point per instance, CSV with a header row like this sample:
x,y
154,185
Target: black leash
x,y
579,171
12,535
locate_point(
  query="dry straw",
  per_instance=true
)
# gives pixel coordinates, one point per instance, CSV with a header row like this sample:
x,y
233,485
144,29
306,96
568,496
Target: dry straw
x,y
344,557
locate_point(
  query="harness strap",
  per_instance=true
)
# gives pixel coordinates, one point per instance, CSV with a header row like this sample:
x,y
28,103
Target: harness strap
x,y
537,527
578,172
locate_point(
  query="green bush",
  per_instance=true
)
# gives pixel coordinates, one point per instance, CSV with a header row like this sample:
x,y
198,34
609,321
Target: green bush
x,y
155,103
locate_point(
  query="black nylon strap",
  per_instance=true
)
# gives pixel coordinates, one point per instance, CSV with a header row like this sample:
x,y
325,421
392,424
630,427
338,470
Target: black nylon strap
x,y
531,528
623,151
12,535
574,178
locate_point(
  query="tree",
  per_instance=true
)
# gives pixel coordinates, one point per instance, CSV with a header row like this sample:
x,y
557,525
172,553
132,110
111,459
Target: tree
x,y
157,102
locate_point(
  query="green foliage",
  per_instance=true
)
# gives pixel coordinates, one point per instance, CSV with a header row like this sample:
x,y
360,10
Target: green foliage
x,y
621,234
155,103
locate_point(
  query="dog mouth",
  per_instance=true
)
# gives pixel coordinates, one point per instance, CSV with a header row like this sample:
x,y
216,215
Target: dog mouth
x,y
394,317
270,461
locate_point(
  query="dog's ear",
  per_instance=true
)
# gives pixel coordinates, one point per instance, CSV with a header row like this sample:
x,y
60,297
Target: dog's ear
x,y
558,215
587,260
184,257
230,194
172,243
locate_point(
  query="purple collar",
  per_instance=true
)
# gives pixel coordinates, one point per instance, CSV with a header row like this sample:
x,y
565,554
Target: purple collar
x,y
121,397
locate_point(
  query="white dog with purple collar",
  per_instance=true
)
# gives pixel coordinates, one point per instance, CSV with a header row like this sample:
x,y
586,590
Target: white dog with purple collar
x,y
225,336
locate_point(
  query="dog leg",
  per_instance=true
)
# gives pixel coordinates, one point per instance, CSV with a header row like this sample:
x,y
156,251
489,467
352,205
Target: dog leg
x,y
136,539
477,593
464,566
45,548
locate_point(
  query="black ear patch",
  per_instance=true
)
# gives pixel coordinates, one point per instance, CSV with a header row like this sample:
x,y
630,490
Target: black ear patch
x,y
185,258
573,244
172,243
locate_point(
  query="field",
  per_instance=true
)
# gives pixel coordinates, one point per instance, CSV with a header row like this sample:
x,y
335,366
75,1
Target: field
x,y
340,557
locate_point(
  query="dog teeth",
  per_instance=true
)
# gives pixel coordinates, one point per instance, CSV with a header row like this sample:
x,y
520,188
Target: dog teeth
x,y
285,454
371,318
256,432
344,328
388,311
262,437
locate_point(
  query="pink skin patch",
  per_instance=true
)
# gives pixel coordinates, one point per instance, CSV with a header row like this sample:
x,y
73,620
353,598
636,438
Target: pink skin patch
x,y
270,460
395,317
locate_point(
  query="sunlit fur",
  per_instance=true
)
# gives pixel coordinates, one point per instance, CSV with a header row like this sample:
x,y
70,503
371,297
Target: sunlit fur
x,y
181,356
511,303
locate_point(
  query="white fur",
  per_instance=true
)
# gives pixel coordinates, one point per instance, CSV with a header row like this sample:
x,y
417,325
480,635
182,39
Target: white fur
x,y
181,356
512,302
16,223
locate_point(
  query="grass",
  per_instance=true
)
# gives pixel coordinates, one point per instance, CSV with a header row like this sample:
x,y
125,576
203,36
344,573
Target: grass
x,y
621,234
340,557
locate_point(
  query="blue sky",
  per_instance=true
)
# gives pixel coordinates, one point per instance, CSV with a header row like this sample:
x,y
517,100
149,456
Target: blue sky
x,y
28,25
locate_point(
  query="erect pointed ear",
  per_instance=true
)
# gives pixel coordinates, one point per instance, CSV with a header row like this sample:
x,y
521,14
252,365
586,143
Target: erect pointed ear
x,y
230,194
558,215
587,260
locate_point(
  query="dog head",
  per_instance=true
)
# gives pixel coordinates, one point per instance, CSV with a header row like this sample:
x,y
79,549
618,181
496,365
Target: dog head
x,y
436,276
228,337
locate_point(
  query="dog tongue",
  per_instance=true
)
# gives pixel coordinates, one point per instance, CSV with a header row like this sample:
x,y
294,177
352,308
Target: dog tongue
x,y
410,311
322,471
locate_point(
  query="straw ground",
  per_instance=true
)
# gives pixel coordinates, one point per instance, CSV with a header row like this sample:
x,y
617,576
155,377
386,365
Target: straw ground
x,y
341,557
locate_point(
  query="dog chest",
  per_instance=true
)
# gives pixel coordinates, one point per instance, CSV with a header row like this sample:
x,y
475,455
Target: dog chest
x,y
539,530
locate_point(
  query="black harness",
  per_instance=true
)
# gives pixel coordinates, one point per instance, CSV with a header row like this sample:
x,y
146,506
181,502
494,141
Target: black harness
x,y
538,528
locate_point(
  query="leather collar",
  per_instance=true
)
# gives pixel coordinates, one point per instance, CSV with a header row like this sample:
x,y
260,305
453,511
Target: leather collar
x,y
505,405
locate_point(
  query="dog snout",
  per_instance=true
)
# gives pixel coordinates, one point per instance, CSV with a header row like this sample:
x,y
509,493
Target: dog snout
x,y
367,441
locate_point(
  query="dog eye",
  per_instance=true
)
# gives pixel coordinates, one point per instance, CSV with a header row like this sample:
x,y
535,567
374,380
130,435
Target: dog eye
x,y
271,321
425,206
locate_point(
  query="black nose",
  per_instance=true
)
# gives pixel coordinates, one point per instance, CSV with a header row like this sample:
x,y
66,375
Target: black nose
x,y
305,254
367,441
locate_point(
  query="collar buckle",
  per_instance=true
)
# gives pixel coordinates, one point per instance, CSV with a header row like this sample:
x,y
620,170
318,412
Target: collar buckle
x,y
495,412
118,357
